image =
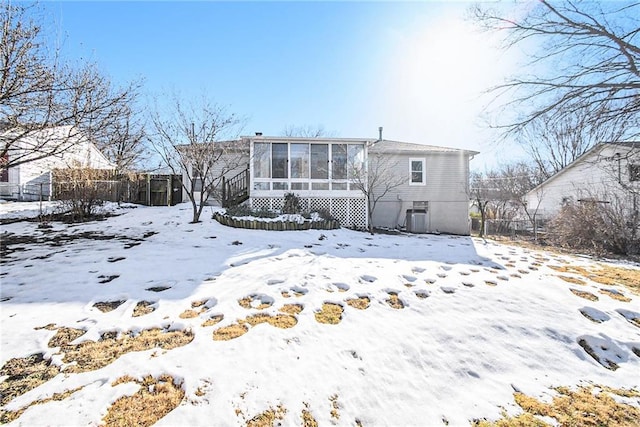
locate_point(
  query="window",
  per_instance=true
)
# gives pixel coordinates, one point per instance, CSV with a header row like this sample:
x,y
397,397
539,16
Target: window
x,y
299,161
339,161
279,157
634,172
261,161
356,159
417,172
319,161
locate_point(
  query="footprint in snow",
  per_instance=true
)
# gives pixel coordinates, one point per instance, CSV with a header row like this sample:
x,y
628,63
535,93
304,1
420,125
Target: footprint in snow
x,y
441,275
604,351
445,267
368,279
417,270
422,294
299,291
430,280
448,290
505,278
409,278
341,287
464,273
594,314
491,282
468,284
631,316
272,282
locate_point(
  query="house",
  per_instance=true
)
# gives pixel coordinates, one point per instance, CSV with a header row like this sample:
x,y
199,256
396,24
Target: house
x,y
607,173
43,151
321,172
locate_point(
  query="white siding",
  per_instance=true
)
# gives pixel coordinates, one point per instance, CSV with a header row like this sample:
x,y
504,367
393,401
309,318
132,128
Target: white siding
x,y
596,174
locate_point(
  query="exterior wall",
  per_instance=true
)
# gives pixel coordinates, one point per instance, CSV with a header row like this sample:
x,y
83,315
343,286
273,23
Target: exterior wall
x,y
26,180
445,191
596,174
241,162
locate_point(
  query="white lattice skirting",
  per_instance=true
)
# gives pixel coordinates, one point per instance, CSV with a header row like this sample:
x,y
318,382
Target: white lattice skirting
x,y
351,213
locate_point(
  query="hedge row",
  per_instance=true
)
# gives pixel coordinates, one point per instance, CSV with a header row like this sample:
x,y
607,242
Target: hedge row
x,y
276,225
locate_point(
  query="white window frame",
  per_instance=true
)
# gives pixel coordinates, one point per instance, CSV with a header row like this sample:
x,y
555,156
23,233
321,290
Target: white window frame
x,y
424,170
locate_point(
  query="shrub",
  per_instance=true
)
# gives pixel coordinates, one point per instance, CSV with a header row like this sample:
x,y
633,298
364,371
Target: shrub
x,y
291,204
601,227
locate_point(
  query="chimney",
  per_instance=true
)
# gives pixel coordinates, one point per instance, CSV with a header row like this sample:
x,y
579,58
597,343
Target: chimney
x,y
258,133
380,133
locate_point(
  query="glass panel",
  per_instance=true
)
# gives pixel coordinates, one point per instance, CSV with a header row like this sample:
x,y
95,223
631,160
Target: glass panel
x,y
299,161
319,161
339,161
339,186
319,185
261,186
356,159
279,156
299,185
261,163
417,171
280,185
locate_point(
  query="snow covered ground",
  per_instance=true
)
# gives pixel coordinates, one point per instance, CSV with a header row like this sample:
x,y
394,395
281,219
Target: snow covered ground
x,y
479,321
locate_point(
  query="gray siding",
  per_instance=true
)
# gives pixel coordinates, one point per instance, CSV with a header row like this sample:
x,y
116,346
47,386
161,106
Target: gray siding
x,y
446,191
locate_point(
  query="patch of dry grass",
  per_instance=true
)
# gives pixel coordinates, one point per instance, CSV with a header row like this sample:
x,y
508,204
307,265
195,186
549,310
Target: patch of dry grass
x,y
107,306
142,308
307,418
282,321
155,399
361,303
584,294
582,407
91,355
335,406
9,416
64,336
616,295
213,320
24,374
394,301
230,332
247,302
572,279
292,309
268,418
199,303
188,314
606,275
330,313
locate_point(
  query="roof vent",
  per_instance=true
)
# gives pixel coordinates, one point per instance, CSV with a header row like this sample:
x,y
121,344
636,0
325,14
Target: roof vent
x,y
380,133
258,133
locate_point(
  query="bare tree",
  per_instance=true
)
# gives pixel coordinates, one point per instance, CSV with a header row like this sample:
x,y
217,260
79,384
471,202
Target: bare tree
x,y
39,92
307,131
188,140
553,144
374,177
500,193
590,59
123,139
480,193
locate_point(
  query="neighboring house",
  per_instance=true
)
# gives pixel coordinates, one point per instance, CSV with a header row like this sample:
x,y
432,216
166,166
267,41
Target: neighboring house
x,y
318,171
33,179
607,173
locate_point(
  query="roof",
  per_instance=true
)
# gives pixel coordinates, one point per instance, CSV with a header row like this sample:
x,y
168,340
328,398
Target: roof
x,y
386,145
389,146
599,146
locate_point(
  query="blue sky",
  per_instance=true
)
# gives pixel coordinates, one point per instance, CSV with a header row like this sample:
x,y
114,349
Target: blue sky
x,y
417,69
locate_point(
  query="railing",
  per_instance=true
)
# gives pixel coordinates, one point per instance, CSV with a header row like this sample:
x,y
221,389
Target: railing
x,y
235,190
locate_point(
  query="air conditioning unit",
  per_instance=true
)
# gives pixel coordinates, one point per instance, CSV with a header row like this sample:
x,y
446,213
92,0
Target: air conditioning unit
x,y
417,220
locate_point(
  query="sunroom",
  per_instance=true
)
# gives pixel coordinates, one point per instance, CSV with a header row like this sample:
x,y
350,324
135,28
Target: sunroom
x,y
319,171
